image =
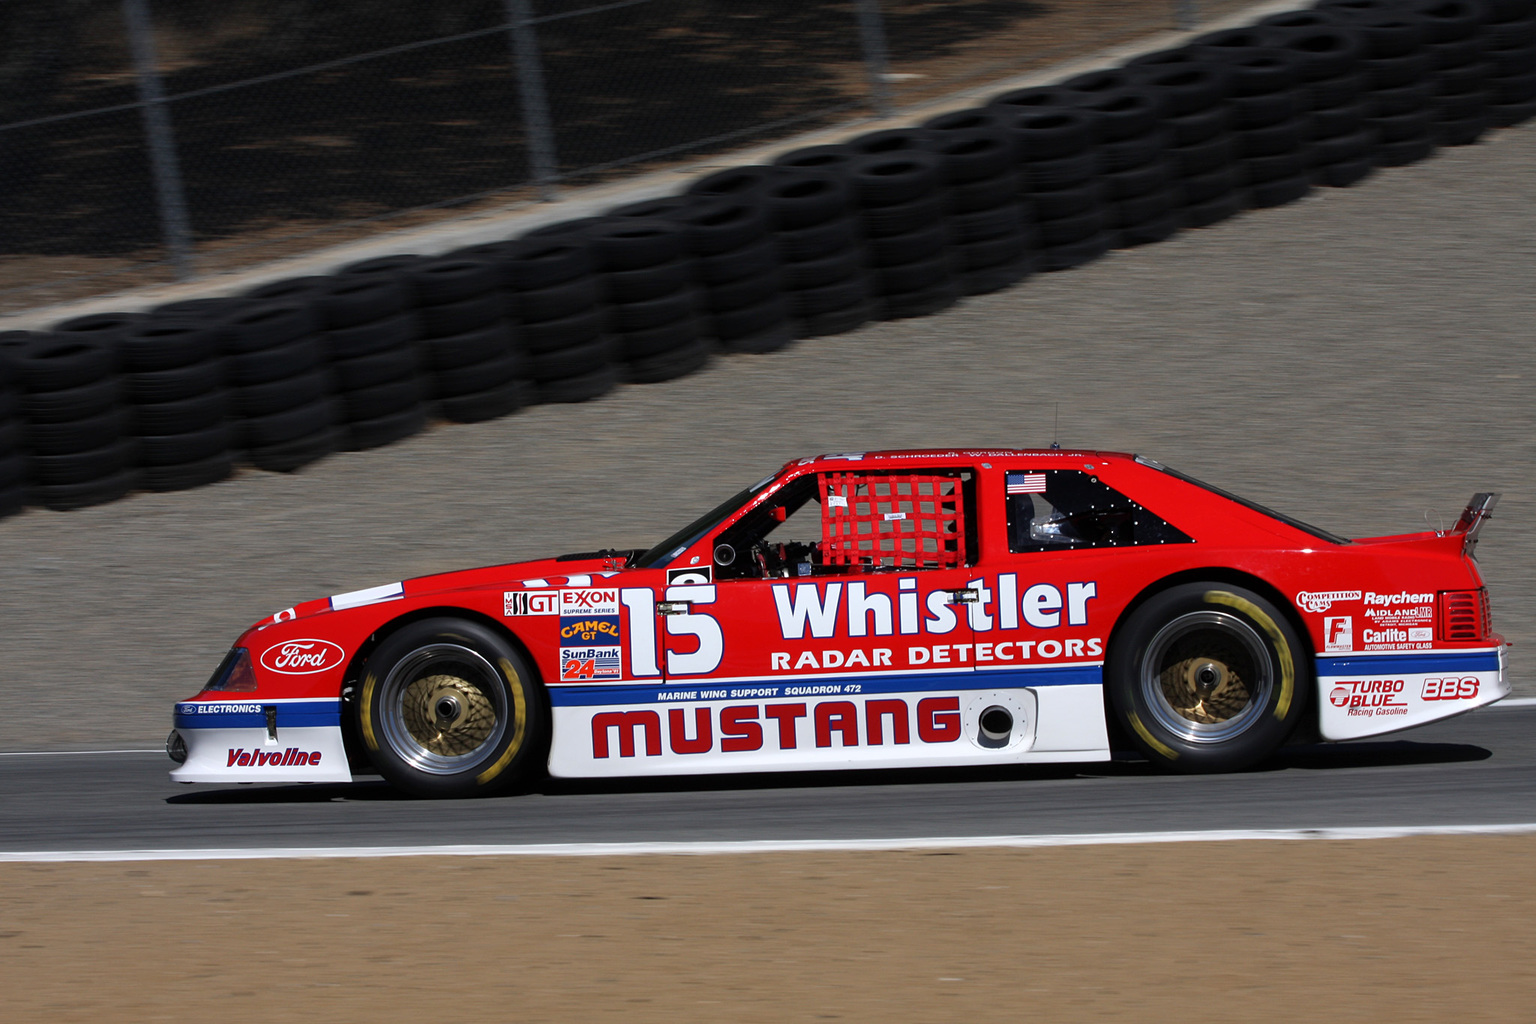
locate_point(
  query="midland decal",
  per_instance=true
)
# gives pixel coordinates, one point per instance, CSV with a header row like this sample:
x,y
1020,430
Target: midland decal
x,y
1401,621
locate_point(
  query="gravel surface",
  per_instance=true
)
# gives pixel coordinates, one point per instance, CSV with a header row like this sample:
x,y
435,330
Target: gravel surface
x,y
1360,359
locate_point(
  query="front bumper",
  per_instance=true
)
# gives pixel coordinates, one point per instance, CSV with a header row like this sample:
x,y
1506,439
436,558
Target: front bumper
x,y
261,741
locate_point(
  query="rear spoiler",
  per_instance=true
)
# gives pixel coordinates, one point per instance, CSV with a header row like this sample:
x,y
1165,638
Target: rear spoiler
x,y
1478,511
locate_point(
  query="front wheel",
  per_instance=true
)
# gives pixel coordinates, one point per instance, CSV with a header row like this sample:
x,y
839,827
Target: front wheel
x,y
1208,677
449,708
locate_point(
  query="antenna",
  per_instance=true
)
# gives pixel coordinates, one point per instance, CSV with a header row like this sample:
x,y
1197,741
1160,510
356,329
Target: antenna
x,y
1056,429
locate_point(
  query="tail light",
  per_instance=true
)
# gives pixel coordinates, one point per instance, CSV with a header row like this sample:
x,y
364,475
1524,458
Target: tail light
x,y
1464,614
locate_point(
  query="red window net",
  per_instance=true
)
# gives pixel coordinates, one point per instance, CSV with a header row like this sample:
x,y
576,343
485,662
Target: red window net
x,y
913,522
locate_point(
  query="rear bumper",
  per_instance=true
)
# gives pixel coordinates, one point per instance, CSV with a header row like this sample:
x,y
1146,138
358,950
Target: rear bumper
x,y
1372,694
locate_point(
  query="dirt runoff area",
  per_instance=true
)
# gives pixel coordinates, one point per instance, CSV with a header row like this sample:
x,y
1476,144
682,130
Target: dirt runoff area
x,y
1419,929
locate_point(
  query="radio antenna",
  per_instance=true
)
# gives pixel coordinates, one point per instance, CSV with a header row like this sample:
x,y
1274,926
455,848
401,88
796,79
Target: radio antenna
x,y
1056,429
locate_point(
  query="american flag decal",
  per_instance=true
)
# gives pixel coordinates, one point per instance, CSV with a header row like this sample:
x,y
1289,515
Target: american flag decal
x,y
1026,483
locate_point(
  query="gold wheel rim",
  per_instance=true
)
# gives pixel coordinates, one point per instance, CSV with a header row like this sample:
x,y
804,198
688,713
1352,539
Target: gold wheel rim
x,y
447,714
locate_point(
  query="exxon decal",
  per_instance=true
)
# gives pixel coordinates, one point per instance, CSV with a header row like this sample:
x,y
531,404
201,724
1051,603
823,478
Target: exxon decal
x,y
302,657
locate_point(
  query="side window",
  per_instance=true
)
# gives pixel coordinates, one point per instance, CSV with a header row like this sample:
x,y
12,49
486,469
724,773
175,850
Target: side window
x,y
839,523
1061,508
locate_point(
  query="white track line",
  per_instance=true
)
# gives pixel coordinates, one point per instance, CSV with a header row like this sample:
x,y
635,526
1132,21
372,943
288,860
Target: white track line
x,y
764,846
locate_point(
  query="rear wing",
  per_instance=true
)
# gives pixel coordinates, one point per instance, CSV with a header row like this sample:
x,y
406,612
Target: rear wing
x,y
1478,511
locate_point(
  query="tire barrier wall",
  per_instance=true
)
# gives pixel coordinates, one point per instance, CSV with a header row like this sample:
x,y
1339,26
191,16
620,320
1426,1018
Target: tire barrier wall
x,y
890,224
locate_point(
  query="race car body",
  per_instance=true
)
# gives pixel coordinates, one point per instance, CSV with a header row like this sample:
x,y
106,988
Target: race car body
x,y
872,610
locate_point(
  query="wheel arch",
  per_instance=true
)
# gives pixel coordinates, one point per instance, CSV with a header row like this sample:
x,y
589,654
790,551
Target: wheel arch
x,y
1217,574
357,753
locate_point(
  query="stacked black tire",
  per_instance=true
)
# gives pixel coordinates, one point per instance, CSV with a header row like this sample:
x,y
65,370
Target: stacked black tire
x,y
736,267
13,458
898,183
1202,156
1398,69
821,244
280,384
1136,173
991,229
79,452
1342,143
174,375
1509,47
1058,141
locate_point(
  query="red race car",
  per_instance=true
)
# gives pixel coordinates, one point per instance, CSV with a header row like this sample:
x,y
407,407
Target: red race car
x,y
872,610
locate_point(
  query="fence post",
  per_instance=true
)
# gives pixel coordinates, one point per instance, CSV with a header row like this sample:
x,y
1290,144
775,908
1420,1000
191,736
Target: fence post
x,y
170,196
1186,15
872,35
530,87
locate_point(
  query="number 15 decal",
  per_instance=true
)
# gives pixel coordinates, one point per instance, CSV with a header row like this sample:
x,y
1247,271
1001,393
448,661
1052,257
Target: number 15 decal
x,y
682,621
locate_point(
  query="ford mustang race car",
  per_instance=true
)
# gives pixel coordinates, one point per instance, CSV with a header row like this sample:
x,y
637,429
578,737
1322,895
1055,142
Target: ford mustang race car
x,y
871,610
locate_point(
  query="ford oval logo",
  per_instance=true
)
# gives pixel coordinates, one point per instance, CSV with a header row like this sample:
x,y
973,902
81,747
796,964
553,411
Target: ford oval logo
x,y
302,657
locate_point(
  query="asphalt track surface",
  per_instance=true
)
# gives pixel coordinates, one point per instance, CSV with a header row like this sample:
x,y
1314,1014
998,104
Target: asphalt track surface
x,y
1474,770
1361,359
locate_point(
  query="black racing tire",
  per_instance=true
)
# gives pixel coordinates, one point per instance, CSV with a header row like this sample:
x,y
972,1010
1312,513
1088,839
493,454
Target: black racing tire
x,y
1464,132
1271,140
449,707
557,335
67,497
920,302
581,388
744,184
1337,92
925,243
757,258
1279,191
179,449
1459,107
278,429
989,252
836,321
639,316
379,368
917,276
298,452
71,403
77,435
574,361
1203,157
1067,230
13,499
1344,120
458,317
833,159
177,384
769,339
647,283
1340,148
1506,115
1200,125
281,395
361,298
1214,210
537,263
1148,232
483,376
292,289
750,291
624,243
188,474
161,345
674,363
1115,157
381,430
883,221
1207,677
452,279
1143,208
1391,72
1250,112
254,326
182,416
1061,173
559,301
809,243
808,302
996,278
980,225
375,336
1407,99
746,321
469,348
1205,187
1137,181
886,179
394,267
492,403
715,227
1075,254
1404,151
980,154
1068,202
383,399
1054,134
656,341
11,434
275,363
1345,173
1259,169
64,362
83,466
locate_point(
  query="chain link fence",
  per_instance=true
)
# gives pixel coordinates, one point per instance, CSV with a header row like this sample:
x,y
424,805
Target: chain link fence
x,y
147,140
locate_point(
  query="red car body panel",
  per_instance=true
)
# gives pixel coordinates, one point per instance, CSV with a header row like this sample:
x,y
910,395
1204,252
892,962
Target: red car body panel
x,y
872,667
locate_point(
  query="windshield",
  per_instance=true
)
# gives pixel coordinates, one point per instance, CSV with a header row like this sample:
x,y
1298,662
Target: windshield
x,y
685,538
1292,521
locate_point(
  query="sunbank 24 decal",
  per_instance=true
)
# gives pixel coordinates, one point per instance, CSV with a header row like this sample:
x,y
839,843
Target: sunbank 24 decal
x,y
843,625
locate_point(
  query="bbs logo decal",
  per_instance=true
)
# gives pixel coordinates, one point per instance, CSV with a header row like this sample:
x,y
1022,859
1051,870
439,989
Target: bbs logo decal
x,y
530,602
302,657
1319,602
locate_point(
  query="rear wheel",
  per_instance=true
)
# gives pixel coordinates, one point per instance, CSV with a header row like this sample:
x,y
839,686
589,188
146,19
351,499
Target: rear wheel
x,y
1208,677
449,708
